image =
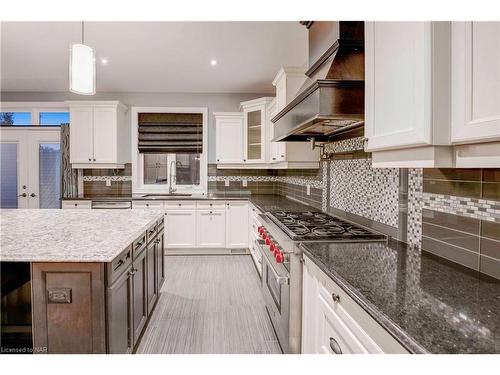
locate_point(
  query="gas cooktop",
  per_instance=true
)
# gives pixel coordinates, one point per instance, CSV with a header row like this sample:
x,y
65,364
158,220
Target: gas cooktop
x,y
317,226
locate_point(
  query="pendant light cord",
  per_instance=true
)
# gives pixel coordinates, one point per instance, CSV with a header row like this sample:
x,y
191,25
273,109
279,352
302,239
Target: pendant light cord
x,y
83,33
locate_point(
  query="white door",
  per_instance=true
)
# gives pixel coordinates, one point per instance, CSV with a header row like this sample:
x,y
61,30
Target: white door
x,y
476,82
104,134
30,168
180,229
81,135
237,225
229,140
210,229
398,84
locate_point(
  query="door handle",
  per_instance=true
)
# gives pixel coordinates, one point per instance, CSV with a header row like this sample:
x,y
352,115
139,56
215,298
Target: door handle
x,y
32,195
334,345
24,195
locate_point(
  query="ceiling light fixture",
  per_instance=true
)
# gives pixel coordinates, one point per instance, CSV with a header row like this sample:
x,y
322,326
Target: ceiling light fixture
x,y
82,68
104,61
213,62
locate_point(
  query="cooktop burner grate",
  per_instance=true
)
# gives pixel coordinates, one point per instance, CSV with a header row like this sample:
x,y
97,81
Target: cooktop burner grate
x,y
318,226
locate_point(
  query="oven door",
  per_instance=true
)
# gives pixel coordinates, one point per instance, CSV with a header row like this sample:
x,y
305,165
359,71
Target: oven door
x,y
276,291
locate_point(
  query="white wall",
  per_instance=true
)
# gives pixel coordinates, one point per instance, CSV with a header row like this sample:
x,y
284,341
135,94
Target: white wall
x,y
215,103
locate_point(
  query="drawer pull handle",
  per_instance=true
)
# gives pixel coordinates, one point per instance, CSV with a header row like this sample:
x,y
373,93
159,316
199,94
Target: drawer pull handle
x,y
335,297
119,264
334,345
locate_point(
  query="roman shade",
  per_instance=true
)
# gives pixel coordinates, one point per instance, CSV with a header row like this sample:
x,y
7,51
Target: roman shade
x,y
180,133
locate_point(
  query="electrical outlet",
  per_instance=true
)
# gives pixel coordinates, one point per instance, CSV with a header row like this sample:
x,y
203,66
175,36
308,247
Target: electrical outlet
x,y
308,189
108,182
226,183
245,183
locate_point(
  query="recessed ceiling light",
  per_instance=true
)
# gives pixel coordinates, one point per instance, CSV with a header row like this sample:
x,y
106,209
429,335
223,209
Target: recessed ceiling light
x,y
213,62
104,61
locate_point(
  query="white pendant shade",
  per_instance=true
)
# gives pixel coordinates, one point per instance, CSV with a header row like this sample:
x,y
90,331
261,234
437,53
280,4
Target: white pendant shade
x,y
82,69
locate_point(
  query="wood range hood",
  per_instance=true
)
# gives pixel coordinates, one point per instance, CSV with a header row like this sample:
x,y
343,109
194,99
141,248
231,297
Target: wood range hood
x,y
330,104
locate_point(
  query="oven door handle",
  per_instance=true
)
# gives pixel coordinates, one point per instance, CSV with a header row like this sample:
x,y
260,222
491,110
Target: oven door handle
x,y
281,278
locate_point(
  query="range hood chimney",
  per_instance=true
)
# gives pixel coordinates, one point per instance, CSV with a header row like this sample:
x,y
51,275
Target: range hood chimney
x,y
331,101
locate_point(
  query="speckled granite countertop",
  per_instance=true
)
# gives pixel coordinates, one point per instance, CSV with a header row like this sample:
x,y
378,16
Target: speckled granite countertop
x,y
70,235
427,303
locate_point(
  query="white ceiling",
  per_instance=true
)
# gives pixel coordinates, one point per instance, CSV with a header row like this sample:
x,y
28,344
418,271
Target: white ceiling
x,y
153,56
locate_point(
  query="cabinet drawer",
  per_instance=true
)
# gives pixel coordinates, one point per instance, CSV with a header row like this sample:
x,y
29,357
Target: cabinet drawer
x,y
119,265
151,232
76,204
147,204
210,205
180,205
139,245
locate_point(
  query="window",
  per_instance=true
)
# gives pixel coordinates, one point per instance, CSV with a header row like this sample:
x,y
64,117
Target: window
x,y
53,118
170,142
157,169
187,169
15,118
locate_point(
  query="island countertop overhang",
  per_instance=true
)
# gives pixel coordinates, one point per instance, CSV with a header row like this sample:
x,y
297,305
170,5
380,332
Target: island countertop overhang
x,y
48,235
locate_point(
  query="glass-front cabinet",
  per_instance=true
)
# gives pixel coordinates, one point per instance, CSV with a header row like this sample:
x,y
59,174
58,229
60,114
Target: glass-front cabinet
x,y
255,128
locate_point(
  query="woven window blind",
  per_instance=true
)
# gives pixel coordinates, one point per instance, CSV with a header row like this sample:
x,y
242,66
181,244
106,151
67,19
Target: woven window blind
x,y
180,133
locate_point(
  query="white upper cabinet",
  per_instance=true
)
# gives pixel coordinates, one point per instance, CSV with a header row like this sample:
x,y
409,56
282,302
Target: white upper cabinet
x,y
476,82
229,137
99,134
255,130
407,67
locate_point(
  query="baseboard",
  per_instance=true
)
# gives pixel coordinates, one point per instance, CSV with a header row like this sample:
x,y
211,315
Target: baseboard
x,y
214,251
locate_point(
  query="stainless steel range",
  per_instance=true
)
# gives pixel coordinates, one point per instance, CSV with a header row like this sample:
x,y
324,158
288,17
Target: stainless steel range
x,y
280,235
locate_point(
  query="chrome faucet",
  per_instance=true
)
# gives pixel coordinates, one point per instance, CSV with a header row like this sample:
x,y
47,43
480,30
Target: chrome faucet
x,y
171,177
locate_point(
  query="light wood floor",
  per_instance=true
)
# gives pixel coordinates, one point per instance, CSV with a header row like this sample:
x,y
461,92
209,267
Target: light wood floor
x,y
210,304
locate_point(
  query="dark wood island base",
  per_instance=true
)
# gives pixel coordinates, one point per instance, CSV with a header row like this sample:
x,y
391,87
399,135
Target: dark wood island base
x,y
98,307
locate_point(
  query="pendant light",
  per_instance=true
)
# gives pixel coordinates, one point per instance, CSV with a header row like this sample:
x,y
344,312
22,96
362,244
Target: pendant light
x,y
82,68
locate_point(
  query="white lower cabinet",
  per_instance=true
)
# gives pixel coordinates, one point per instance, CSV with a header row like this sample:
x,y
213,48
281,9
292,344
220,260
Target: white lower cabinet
x,y
333,323
77,204
210,229
237,224
180,229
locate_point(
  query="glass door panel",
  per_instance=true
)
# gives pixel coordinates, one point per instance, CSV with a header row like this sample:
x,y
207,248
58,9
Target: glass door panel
x,y
8,175
254,135
49,179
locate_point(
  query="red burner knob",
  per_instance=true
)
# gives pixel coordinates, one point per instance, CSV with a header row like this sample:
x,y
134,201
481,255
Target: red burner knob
x,y
279,257
268,241
264,236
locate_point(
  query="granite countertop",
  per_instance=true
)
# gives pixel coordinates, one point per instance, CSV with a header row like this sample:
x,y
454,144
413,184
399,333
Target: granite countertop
x,y
48,235
429,304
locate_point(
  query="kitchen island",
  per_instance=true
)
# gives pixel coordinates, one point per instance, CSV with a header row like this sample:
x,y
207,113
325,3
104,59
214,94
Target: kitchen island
x,y
95,275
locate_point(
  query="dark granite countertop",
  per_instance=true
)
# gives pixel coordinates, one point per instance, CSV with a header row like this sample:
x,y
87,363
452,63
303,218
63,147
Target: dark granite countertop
x,y
427,303
264,202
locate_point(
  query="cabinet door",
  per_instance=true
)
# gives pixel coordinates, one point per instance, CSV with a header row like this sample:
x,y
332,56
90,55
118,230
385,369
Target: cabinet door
x,y
119,315
81,137
333,335
105,136
229,140
210,229
139,282
476,82
160,263
254,138
152,270
398,84
180,229
237,225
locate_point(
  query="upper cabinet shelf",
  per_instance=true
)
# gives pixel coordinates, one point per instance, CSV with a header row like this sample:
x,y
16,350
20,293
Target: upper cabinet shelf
x,y
432,95
99,134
